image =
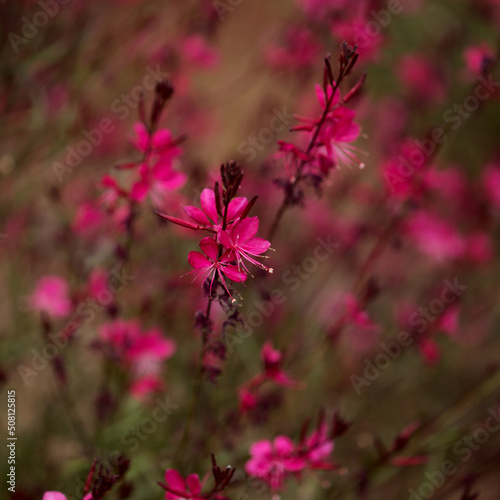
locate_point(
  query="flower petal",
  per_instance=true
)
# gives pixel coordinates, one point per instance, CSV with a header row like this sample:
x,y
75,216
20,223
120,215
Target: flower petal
x,y
194,484
175,481
234,273
207,200
197,215
209,247
198,260
236,208
245,229
256,246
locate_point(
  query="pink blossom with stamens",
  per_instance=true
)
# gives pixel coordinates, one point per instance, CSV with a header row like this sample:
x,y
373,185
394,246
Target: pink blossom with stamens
x,y
210,264
240,240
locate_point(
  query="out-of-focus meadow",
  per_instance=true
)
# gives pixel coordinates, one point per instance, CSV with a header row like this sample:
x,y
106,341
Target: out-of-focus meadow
x,y
378,243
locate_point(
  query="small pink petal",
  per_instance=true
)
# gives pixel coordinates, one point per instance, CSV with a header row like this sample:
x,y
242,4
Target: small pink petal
x,y
53,495
234,273
235,208
194,484
207,201
197,215
198,261
175,481
209,247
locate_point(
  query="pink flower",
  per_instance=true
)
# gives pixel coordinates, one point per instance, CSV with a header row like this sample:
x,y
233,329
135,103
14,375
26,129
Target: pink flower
x,y
491,184
143,387
416,72
211,264
149,349
241,241
98,283
208,217
478,58
333,146
88,218
53,495
317,447
196,51
178,488
56,495
156,170
247,399
429,350
479,248
160,143
435,237
273,461
51,296
273,361
300,52
142,352
156,182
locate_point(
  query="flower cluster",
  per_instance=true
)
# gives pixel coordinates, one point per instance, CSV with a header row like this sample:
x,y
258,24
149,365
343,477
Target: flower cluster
x,y
234,240
178,488
272,360
274,461
155,174
141,352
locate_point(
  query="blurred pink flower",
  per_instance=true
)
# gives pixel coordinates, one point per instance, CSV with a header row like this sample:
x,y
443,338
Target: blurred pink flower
x,y
416,72
196,50
479,248
429,350
56,495
333,146
141,351
273,362
435,237
51,296
88,218
491,184
478,58
273,461
300,50
178,488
